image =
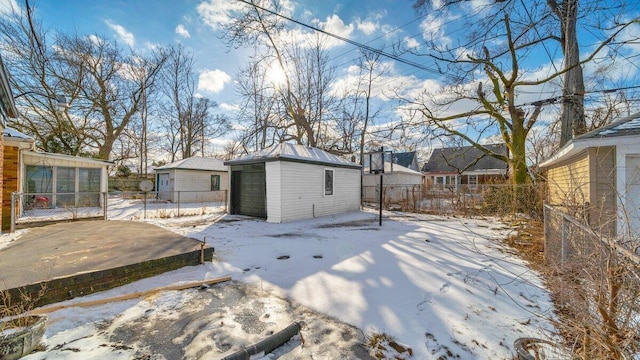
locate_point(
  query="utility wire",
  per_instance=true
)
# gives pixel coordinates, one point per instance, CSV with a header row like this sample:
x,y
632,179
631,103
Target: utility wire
x,y
355,43
555,99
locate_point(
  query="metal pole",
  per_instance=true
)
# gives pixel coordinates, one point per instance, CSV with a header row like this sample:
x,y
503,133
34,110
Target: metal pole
x,y
178,203
13,212
104,202
145,205
380,219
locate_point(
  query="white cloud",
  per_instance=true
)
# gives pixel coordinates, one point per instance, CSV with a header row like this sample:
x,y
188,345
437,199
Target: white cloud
x,y
215,13
411,43
336,26
182,31
367,27
8,6
229,107
213,80
433,30
124,35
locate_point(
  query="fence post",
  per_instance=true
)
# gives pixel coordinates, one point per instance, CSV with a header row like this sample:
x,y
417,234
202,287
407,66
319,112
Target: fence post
x,y
563,243
104,202
13,212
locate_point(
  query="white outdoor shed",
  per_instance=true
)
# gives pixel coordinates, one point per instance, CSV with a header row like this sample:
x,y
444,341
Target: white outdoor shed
x,y
289,182
399,183
597,176
192,179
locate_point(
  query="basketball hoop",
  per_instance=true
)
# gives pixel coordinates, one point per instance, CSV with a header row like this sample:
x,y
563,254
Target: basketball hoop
x,y
376,160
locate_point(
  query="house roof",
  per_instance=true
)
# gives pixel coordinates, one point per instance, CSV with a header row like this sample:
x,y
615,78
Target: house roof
x,y
195,163
293,152
465,159
629,125
68,157
608,135
6,96
399,169
404,158
13,133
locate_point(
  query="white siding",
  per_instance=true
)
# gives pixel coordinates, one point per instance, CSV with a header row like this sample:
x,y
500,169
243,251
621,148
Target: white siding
x,y
398,187
195,185
273,170
302,192
392,179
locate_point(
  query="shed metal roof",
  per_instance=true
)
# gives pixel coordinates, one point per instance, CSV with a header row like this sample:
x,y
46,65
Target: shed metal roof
x,y
293,152
195,163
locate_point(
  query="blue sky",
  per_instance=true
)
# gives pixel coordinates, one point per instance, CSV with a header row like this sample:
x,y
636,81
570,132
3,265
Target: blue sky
x,y
196,24
144,24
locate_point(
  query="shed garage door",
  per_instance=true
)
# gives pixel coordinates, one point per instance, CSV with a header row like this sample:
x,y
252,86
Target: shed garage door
x,y
248,190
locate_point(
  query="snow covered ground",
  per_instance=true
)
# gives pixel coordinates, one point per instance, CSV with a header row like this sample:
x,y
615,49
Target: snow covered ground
x,y
447,287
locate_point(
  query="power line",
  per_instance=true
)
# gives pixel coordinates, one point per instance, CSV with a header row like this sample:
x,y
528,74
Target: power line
x,y
556,99
352,42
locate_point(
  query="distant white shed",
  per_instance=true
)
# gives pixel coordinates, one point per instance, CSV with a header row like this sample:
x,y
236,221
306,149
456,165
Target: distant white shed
x,y
192,179
291,182
399,183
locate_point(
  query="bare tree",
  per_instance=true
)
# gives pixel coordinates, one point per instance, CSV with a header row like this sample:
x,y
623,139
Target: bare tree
x,y
254,26
187,117
97,77
258,110
496,49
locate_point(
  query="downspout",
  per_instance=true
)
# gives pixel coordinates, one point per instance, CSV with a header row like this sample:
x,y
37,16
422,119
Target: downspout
x,y
267,345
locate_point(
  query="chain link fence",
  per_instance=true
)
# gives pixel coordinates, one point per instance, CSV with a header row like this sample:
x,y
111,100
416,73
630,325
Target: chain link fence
x,y
597,282
31,208
131,205
486,199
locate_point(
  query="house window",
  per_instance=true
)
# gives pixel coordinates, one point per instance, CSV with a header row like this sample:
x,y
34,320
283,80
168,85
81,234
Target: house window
x,y
449,181
472,181
215,182
66,186
89,186
39,179
328,182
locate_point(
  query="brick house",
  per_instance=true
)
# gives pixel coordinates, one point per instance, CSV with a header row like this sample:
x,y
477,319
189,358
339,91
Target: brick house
x,y
7,110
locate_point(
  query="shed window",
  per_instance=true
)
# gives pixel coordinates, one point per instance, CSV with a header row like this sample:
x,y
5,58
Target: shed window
x,y
215,182
328,182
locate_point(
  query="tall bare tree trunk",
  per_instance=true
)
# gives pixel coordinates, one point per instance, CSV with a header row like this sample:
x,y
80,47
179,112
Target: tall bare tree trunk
x,y
572,118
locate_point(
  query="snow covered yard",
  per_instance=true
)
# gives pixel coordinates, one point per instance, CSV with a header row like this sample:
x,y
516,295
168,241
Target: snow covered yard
x,y
446,287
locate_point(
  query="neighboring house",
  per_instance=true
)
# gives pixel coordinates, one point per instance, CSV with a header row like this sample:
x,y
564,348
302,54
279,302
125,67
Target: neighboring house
x,y
192,179
465,166
53,180
290,182
596,177
408,160
399,183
